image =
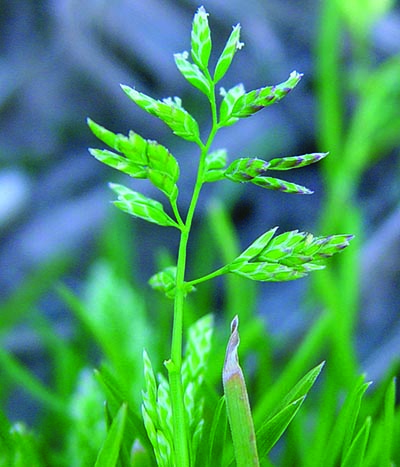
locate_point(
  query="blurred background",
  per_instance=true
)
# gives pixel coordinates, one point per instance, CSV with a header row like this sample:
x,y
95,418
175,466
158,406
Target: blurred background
x,y
63,60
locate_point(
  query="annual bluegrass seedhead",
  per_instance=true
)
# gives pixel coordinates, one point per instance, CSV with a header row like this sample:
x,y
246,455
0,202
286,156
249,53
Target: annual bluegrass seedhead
x,y
172,411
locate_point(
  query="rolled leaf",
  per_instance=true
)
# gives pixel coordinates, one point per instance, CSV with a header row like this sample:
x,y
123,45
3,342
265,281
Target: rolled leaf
x,y
138,205
224,62
170,111
237,404
201,39
253,101
192,73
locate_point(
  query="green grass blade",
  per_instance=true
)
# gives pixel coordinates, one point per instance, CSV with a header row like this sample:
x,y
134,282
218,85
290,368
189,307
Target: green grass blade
x,y
238,406
356,452
22,376
29,292
216,440
115,398
302,388
341,434
293,370
388,425
109,452
270,432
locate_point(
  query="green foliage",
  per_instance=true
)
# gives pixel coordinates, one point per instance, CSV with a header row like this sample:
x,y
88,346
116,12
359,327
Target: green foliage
x,y
168,408
173,414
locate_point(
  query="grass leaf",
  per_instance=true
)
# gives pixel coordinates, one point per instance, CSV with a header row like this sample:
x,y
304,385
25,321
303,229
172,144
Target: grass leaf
x,y
271,431
109,452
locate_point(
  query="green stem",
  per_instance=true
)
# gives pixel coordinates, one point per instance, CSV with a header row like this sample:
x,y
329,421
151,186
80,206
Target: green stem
x,y
216,273
174,366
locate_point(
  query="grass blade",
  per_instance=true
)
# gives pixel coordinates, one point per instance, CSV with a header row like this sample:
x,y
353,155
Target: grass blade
x,y
356,452
273,429
109,452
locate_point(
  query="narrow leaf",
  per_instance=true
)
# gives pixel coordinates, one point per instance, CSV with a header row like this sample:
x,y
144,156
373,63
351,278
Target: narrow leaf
x,y
170,111
253,101
109,452
138,205
116,397
302,388
224,62
216,441
356,452
342,432
388,424
238,406
192,73
201,39
272,430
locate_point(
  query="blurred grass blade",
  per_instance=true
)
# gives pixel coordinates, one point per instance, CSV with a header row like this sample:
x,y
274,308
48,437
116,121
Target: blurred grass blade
x,y
342,431
29,292
32,385
388,425
310,346
238,406
273,429
115,398
356,452
217,437
109,452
